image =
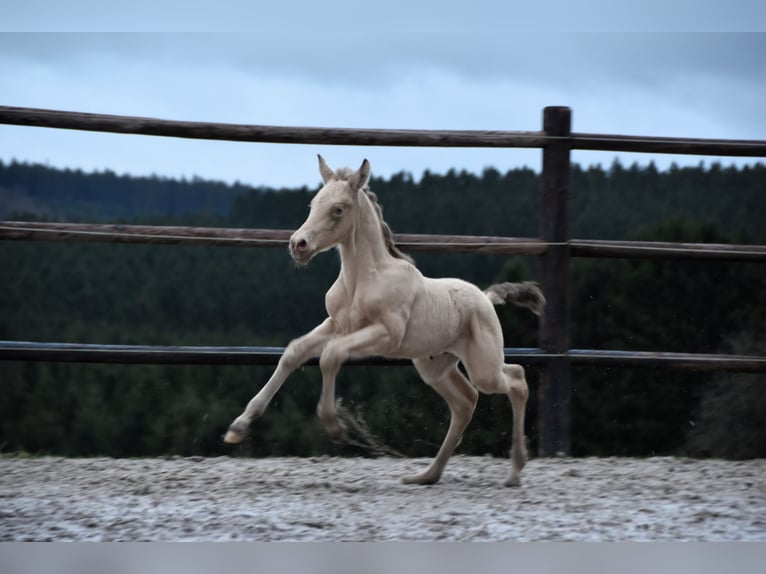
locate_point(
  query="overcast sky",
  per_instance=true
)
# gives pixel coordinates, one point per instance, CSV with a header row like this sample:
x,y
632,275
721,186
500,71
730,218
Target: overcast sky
x,y
656,69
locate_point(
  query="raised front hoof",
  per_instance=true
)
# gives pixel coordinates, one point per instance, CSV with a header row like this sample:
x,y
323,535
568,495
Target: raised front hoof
x,y
235,434
423,478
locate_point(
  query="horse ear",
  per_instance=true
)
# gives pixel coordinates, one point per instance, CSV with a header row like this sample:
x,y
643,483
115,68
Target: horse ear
x,y
324,170
361,176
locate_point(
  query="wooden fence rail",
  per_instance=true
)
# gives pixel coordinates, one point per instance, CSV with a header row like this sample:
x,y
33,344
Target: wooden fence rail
x,y
176,235
554,246
374,137
245,237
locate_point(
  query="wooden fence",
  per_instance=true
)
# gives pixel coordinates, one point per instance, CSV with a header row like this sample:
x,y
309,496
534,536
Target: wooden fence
x,y
554,245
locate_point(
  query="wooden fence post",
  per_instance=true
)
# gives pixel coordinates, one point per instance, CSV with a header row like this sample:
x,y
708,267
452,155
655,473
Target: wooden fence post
x,y
554,398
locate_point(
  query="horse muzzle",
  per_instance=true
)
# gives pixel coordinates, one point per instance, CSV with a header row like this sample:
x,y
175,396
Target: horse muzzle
x,y
300,250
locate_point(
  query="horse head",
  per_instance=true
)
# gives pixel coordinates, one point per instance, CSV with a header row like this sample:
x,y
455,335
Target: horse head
x,y
332,216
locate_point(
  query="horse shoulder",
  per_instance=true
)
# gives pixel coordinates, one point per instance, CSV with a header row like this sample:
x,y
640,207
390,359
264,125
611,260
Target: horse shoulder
x,y
337,302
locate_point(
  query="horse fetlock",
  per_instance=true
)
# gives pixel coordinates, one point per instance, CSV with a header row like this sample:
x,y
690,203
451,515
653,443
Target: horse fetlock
x,y
335,428
519,456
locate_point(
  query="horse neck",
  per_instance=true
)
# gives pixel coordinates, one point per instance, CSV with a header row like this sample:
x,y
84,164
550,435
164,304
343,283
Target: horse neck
x,y
365,249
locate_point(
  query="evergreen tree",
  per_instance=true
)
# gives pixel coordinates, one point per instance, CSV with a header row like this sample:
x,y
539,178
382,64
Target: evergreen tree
x,y
192,295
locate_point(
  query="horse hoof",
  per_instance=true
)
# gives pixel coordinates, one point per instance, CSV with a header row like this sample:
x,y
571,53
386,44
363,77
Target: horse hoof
x,y
513,480
422,479
235,434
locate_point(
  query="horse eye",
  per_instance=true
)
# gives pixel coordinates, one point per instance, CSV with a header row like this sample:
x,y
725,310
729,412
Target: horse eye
x,y
338,211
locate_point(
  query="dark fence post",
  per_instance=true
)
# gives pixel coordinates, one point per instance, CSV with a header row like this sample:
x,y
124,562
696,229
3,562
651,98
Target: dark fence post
x,y
554,422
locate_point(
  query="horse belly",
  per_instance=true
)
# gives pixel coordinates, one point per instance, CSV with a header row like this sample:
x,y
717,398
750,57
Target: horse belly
x,y
438,318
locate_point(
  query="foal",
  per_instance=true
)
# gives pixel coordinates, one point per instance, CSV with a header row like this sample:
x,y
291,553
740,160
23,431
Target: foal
x,y
382,305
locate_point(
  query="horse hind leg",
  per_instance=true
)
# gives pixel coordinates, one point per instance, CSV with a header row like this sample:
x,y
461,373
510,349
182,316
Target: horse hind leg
x,y
442,374
483,360
510,381
518,394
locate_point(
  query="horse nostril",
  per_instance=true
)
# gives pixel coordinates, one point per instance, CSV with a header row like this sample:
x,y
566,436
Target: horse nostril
x,y
300,244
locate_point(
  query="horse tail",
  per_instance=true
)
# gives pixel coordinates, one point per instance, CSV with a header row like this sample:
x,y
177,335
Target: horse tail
x,y
526,294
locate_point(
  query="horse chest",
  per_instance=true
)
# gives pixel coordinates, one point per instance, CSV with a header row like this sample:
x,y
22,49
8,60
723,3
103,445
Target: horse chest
x,y
350,320
348,313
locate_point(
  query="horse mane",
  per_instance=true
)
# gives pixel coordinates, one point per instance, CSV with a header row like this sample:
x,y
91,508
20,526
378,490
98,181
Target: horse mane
x,y
388,235
343,174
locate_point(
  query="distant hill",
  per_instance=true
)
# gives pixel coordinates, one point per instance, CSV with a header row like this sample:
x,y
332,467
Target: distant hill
x,y
47,192
614,203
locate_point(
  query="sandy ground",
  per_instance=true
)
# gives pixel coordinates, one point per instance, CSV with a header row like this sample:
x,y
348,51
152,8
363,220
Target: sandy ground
x,y
355,499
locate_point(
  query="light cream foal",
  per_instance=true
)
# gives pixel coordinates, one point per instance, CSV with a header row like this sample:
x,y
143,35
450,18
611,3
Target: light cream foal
x,y
382,305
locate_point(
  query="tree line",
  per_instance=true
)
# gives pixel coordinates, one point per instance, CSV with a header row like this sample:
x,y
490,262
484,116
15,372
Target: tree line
x,y
184,295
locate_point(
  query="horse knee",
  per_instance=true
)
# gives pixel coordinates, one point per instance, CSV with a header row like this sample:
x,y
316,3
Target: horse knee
x,y
331,359
291,358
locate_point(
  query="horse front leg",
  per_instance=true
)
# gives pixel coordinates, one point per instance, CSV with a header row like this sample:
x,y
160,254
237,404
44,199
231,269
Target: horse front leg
x,y
371,340
297,352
